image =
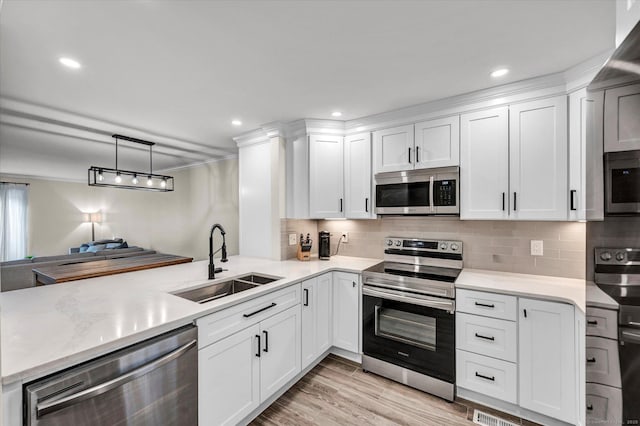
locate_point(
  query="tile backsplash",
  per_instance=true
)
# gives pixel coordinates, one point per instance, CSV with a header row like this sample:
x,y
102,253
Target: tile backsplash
x,y
493,245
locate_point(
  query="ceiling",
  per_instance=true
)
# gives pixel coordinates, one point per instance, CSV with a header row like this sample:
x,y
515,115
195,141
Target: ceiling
x,y
179,72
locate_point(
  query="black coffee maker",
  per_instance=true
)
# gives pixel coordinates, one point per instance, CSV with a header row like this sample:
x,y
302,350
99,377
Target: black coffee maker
x,y
324,244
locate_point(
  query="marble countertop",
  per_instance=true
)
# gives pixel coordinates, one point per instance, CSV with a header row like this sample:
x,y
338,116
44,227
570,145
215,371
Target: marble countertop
x,y
50,328
598,298
567,290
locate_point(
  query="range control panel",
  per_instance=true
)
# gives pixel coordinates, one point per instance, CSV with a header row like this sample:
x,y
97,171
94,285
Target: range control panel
x,y
442,246
617,256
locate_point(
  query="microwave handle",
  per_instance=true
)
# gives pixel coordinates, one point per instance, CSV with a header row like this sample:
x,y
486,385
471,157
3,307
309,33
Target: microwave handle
x,y
431,194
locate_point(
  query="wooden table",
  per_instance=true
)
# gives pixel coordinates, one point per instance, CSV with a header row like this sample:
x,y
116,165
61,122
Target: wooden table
x,y
100,268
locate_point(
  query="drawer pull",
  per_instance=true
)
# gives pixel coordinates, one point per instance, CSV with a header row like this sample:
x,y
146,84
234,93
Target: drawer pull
x,y
259,310
590,407
306,297
592,322
591,360
493,379
480,336
485,305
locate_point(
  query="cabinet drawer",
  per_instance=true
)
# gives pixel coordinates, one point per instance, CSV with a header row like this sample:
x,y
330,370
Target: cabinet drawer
x,y
604,404
228,321
486,336
602,322
489,376
603,365
491,305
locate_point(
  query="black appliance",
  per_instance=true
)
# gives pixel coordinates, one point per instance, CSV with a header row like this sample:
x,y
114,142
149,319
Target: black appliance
x,y
408,320
324,245
622,182
419,192
617,273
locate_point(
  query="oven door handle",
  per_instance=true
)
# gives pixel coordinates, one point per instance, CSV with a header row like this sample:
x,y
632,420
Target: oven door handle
x,y
444,305
629,336
380,282
375,319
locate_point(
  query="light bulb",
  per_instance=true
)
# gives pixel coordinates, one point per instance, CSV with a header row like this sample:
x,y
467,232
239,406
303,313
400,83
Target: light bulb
x,y
118,178
134,180
100,176
149,181
163,183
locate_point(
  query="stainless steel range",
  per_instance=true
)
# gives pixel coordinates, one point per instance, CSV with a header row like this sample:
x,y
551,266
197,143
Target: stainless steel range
x,y
408,314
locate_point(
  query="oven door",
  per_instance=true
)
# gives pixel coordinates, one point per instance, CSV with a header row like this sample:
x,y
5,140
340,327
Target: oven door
x,y
408,333
622,182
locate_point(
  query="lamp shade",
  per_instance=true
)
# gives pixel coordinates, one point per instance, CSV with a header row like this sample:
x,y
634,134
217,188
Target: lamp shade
x,y
95,217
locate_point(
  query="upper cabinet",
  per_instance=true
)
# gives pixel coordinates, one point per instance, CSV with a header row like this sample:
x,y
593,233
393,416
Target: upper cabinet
x,y
514,162
357,176
621,124
326,179
433,143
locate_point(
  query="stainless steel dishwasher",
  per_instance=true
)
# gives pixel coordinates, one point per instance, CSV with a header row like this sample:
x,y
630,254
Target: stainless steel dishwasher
x,y
151,383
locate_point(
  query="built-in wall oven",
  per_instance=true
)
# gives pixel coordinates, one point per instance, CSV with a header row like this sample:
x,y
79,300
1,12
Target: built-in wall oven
x,y
622,182
408,329
420,192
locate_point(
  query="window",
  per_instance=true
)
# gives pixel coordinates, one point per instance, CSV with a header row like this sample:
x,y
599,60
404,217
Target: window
x,y
13,220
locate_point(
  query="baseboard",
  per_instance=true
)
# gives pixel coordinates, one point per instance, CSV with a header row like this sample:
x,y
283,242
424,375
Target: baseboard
x,y
351,356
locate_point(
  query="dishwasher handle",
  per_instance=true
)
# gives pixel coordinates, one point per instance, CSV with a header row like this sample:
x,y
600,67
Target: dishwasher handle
x,y
45,408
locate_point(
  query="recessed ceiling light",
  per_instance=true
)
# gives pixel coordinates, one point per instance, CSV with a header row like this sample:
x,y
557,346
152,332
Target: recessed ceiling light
x,y
500,72
71,63
236,122
336,114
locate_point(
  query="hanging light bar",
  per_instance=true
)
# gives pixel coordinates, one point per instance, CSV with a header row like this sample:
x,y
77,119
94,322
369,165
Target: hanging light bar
x,y
117,178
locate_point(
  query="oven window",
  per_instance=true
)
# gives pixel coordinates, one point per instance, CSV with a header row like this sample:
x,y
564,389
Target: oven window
x,y
625,185
406,327
414,194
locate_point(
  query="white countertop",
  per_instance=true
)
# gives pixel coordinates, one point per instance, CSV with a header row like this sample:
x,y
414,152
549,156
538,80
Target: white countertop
x,y
598,298
567,290
46,329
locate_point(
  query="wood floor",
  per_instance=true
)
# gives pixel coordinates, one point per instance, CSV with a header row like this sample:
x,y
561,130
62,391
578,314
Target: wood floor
x,y
338,392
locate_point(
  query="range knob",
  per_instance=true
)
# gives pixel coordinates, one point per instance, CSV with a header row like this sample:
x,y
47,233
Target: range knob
x,y
443,246
605,255
398,243
389,242
454,247
620,256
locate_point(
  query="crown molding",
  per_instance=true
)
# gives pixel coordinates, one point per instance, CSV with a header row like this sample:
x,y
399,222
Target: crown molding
x,y
252,137
198,164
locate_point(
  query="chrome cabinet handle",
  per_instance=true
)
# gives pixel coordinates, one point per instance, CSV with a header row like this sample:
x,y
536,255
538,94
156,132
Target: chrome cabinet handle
x,y
45,408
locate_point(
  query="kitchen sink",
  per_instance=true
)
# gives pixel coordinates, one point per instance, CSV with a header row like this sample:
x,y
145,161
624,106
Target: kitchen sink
x,y
218,290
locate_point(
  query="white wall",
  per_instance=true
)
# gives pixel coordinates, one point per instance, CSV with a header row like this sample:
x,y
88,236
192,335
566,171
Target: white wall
x,y
175,222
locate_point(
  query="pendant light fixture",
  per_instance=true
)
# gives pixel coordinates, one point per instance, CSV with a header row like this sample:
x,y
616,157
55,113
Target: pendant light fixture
x,y
116,178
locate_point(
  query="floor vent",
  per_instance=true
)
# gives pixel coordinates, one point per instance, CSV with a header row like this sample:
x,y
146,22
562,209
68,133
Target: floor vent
x,y
484,419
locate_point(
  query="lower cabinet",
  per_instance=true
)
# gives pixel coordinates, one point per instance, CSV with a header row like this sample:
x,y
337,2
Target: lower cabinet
x,y
346,314
316,317
241,371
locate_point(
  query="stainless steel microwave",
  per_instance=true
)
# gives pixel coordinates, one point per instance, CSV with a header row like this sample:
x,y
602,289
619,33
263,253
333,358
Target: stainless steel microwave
x,y
622,182
419,192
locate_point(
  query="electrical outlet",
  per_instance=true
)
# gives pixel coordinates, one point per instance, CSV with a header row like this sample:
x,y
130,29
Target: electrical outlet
x,y
345,237
537,248
293,239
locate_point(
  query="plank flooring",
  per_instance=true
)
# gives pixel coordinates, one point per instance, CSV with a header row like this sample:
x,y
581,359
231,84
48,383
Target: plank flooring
x,y
338,392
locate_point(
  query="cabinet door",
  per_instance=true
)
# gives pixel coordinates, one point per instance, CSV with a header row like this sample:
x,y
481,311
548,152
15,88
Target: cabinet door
x,y
229,379
484,164
280,351
547,364
345,311
323,309
309,314
594,203
393,149
437,143
538,159
577,154
357,176
621,124
326,183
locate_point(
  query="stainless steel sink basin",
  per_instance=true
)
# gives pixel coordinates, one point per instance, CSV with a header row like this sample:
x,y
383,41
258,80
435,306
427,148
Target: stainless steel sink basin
x,y
215,291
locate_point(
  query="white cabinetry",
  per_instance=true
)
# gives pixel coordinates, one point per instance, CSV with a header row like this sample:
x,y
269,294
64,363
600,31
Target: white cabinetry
x,y
621,125
392,149
513,162
484,164
357,176
346,314
326,181
577,154
538,159
437,143
547,361
316,317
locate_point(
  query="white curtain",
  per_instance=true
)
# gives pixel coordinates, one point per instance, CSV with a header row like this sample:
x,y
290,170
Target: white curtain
x,y
13,221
